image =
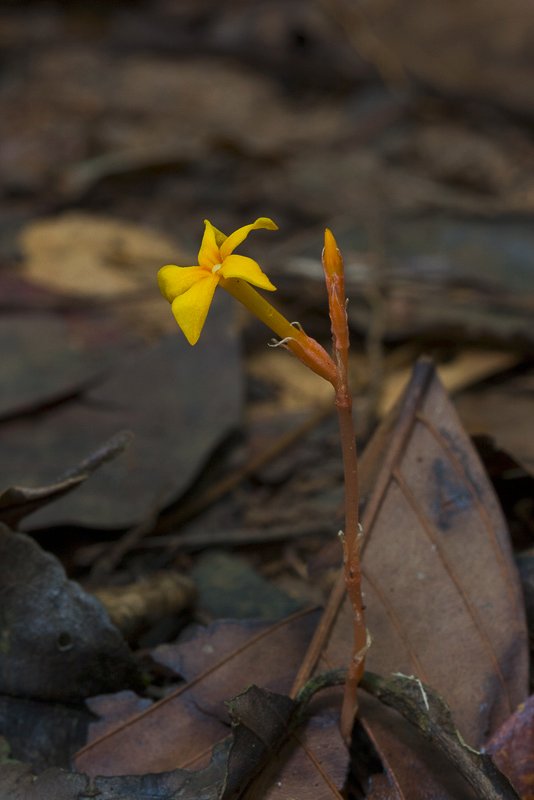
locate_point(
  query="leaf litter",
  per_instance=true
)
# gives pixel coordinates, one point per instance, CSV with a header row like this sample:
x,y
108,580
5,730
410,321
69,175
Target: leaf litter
x,y
181,729
443,510
425,394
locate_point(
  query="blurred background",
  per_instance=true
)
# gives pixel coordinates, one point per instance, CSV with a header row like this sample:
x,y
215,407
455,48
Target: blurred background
x,y
407,127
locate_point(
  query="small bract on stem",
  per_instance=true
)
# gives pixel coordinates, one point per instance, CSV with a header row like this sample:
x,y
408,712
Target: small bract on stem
x,y
190,290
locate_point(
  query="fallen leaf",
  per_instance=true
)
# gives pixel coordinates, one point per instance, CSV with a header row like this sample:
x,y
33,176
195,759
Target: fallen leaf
x,y
114,709
48,358
18,502
441,595
85,254
50,628
441,590
261,724
313,763
512,749
134,607
41,734
261,721
218,663
155,392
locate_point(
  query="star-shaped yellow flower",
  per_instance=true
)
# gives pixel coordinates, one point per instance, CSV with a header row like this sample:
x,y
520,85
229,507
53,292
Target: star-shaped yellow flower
x,y
191,289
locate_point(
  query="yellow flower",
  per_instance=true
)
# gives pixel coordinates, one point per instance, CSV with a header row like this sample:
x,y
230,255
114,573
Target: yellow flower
x,y
191,289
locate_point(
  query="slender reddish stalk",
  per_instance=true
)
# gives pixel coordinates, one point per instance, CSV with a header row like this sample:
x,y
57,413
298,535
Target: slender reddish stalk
x,y
335,284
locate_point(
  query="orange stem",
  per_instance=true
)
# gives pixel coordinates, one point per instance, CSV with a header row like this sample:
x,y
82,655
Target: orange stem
x,y
335,284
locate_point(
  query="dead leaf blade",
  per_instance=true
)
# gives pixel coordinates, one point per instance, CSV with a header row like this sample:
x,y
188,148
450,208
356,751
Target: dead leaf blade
x,y
181,729
442,594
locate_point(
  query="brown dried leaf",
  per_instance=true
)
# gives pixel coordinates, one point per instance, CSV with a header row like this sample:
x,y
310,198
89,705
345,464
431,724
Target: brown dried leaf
x,y
313,763
437,561
261,722
145,392
84,254
181,730
512,749
442,595
48,358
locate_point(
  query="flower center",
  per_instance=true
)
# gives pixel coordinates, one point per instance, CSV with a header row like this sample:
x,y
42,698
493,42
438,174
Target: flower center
x,y
216,268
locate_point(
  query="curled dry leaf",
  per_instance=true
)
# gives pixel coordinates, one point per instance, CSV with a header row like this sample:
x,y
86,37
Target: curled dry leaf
x,y
18,502
412,767
425,710
261,721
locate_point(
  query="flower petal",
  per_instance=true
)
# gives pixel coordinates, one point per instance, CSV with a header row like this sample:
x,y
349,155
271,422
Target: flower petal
x,y
247,269
191,308
174,281
238,236
209,253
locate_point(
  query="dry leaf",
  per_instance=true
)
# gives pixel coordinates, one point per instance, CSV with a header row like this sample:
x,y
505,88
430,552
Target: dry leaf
x,y
49,621
83,254
181,730
145,394
512,749
18,502
441,590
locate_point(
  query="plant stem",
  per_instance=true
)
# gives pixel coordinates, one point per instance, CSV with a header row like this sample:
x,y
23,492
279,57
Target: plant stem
x,y
351,565
351,537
